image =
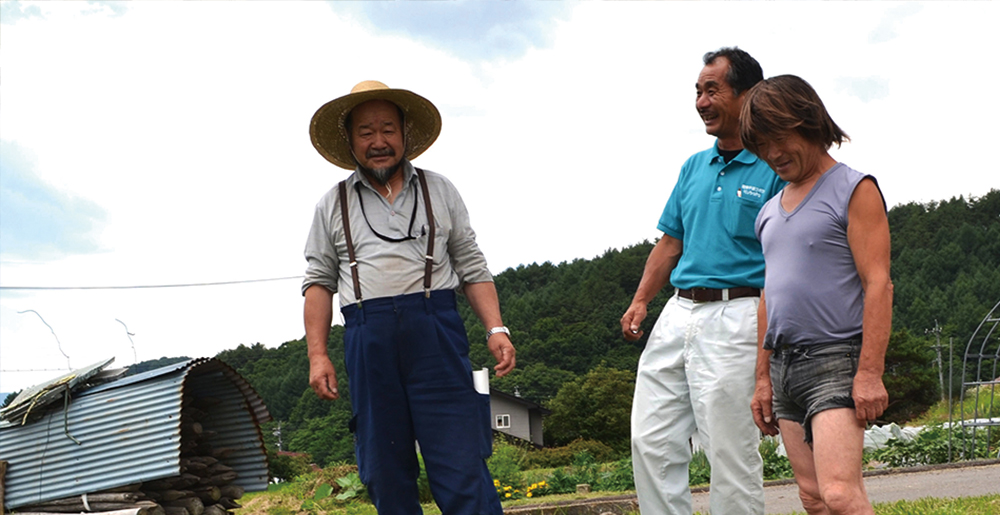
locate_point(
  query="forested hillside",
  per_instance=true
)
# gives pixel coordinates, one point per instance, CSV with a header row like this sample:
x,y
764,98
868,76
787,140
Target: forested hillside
x,y
564,322
946,263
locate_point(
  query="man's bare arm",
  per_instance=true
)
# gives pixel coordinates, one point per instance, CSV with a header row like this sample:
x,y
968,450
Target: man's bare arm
x,y
868,237
484,302
660,263
318,315
761,405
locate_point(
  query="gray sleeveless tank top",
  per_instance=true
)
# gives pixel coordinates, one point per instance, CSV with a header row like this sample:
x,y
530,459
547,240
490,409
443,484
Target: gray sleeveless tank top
x,y
812,289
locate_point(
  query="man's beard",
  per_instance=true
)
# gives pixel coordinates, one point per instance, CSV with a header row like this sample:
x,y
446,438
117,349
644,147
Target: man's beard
x,y
383,174
380,175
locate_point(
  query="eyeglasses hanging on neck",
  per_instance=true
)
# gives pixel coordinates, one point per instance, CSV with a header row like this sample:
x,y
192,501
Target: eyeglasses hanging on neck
x,y
409,231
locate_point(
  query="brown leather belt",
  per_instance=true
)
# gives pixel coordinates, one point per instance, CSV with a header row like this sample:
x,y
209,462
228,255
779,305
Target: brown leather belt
x,y
714,295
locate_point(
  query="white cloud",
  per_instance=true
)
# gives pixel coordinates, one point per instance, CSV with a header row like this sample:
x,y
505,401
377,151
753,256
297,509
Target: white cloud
x,y
864,88
469,29
187,123
886,29
37,220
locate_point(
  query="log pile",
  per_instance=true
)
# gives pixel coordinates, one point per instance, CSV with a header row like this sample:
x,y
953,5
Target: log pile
x,y
203,487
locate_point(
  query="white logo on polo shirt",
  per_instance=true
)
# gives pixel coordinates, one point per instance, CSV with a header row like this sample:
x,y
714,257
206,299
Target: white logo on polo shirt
x,y
750,191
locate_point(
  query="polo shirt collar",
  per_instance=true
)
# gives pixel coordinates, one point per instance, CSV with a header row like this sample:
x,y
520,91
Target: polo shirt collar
x,y
745,157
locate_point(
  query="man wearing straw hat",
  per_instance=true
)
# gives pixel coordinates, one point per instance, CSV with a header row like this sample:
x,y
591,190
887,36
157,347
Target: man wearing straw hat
x,y
395,242
696,373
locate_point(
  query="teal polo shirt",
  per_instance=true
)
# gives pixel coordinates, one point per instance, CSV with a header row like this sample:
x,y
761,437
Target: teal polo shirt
x,y
712,210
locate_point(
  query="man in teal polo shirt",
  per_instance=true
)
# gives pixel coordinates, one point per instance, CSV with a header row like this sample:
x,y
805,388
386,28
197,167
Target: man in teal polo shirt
x,y
696,373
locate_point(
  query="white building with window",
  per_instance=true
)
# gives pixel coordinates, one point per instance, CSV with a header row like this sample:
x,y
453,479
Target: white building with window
x,y
517,417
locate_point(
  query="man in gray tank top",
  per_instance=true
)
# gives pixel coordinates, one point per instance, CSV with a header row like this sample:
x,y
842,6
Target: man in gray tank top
x,y
824,326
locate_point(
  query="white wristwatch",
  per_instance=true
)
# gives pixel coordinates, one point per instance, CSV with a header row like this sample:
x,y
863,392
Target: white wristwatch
x,y
495,330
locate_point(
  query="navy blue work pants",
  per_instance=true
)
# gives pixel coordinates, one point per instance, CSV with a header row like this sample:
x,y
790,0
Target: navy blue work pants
x,y
411,380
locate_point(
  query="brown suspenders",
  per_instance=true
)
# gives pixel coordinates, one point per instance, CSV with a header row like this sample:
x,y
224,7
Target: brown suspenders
x,y
428,257
350,244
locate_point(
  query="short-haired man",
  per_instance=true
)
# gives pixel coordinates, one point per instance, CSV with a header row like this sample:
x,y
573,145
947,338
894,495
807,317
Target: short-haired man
x,y
396,243
696,373
825,317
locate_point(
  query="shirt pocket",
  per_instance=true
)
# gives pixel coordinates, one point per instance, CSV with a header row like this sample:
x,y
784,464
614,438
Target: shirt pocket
x,y
743,217
441,236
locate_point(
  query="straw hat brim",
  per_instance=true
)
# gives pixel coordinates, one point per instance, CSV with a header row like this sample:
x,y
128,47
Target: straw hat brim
x,y
329,134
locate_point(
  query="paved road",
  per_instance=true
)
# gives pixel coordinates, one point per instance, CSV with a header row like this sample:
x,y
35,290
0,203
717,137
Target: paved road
x,y
968,479
927,482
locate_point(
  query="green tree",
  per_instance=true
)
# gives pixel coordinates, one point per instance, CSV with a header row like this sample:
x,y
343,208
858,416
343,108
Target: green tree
x,y
534,381
597,406
945,263
326,439
153,364
910,378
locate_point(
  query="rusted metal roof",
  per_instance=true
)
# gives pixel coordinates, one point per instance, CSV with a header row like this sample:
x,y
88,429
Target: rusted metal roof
x,y
36,398
129,430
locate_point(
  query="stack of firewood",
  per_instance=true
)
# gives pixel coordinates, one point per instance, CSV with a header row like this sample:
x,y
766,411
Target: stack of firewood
x,y
204,486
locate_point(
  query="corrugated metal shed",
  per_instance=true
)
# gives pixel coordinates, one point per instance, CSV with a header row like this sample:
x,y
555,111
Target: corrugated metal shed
x,y
129,430
39,396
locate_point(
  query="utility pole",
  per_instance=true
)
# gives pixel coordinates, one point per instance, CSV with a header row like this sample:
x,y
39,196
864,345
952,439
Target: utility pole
x,y
937,347
277,432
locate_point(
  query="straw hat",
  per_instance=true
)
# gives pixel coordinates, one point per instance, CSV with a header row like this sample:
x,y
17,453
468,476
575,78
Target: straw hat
x,y
330,137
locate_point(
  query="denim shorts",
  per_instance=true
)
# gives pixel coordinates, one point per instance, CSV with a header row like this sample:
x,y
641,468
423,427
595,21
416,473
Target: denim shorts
x,y
808,379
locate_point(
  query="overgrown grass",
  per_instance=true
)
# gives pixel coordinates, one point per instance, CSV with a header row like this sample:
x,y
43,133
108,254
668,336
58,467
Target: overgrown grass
x,y
336,490
988,406
985,505
316,493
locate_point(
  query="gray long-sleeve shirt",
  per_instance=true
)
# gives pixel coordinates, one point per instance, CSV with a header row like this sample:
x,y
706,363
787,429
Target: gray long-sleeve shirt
x,y
385,268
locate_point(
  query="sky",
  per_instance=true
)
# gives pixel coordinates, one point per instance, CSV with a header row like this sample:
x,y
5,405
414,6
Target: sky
x,y
166,143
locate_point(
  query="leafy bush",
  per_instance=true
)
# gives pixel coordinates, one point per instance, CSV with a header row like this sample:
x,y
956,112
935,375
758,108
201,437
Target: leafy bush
x,y
699,470
505,463
616,477
930,446
312,505
350,487
775,465
423,484
562,482
583,470
284,467
563,456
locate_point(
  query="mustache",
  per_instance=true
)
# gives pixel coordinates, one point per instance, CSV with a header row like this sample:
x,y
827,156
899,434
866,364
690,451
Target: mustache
x,y
388,151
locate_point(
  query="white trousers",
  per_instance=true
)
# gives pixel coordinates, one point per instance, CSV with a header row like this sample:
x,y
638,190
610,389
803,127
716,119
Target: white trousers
x,y
697,374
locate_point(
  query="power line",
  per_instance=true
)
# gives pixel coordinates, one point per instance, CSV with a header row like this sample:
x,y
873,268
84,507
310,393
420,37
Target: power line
x,y
58,343
33,370
130,335
149,286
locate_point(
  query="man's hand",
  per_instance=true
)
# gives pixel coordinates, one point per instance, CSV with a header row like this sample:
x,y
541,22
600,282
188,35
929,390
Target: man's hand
x,y
323,378
503,350
631,320
761,406
660,263
870,397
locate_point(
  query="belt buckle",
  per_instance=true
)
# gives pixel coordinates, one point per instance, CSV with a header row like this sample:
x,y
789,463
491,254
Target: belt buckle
x,y
695,297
